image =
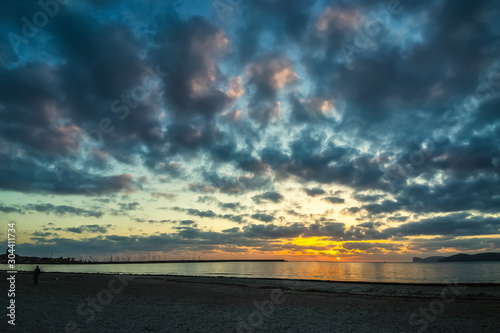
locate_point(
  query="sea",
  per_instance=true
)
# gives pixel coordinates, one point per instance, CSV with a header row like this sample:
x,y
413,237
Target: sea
x,y
403,272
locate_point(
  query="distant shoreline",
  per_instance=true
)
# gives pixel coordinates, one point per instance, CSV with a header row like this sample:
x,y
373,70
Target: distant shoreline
x,y
144,262
461,257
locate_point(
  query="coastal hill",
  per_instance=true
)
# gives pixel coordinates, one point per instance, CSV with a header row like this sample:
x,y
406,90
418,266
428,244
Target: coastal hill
x,y
476,257
461,257
429,259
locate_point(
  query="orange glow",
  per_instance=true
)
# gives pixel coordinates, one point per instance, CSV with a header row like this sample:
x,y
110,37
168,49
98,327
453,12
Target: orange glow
x,y
314,241
323,249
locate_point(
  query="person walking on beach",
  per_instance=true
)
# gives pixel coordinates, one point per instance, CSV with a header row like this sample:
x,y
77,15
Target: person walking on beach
x,y
36,274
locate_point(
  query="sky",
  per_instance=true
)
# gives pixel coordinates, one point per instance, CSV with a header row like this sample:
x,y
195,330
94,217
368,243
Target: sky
x,y
328,130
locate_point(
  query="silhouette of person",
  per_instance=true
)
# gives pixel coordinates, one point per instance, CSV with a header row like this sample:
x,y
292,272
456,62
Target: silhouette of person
x,y
36,274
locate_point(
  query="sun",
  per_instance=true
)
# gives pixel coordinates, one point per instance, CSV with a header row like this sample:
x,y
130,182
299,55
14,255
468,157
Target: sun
x,y
338,258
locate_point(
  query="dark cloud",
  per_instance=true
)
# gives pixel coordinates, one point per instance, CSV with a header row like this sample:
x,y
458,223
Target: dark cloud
x,y
16,174
188,136
43,234
310,110
235,185
450,225
460,245
315,160
63,210
7,209
334,200
234,218
129,205
227,152
195,212
314,191
141,220
201,188
367,197
476,193
268,75
268,197
91,228
234,206
163,195
370,225
206,199
235,229
190,50
263,217
210,214
187,222
398,218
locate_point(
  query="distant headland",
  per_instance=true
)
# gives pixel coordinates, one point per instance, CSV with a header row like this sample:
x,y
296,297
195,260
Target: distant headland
x,y
492,256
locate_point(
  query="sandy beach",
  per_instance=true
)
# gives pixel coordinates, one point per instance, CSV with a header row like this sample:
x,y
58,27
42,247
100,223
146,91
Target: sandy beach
x,y
109,303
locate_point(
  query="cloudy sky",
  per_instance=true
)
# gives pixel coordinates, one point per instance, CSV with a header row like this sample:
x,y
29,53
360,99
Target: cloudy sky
x,y
304,130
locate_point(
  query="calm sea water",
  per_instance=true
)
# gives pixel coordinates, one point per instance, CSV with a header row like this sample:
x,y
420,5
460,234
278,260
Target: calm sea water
x,y
474,272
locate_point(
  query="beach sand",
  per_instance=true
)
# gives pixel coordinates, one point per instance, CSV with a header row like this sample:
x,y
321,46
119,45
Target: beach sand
x,y
105,303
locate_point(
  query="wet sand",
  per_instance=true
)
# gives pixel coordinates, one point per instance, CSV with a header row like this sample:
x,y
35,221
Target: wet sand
x,y
105,303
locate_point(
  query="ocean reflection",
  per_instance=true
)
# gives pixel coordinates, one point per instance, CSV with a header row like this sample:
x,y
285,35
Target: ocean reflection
x,y
470,272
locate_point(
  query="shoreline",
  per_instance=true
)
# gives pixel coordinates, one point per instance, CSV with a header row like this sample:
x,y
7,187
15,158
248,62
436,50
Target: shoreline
x,y
410,284
470,291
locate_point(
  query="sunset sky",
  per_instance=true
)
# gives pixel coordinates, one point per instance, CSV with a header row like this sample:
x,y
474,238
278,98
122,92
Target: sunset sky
x,y
301,130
